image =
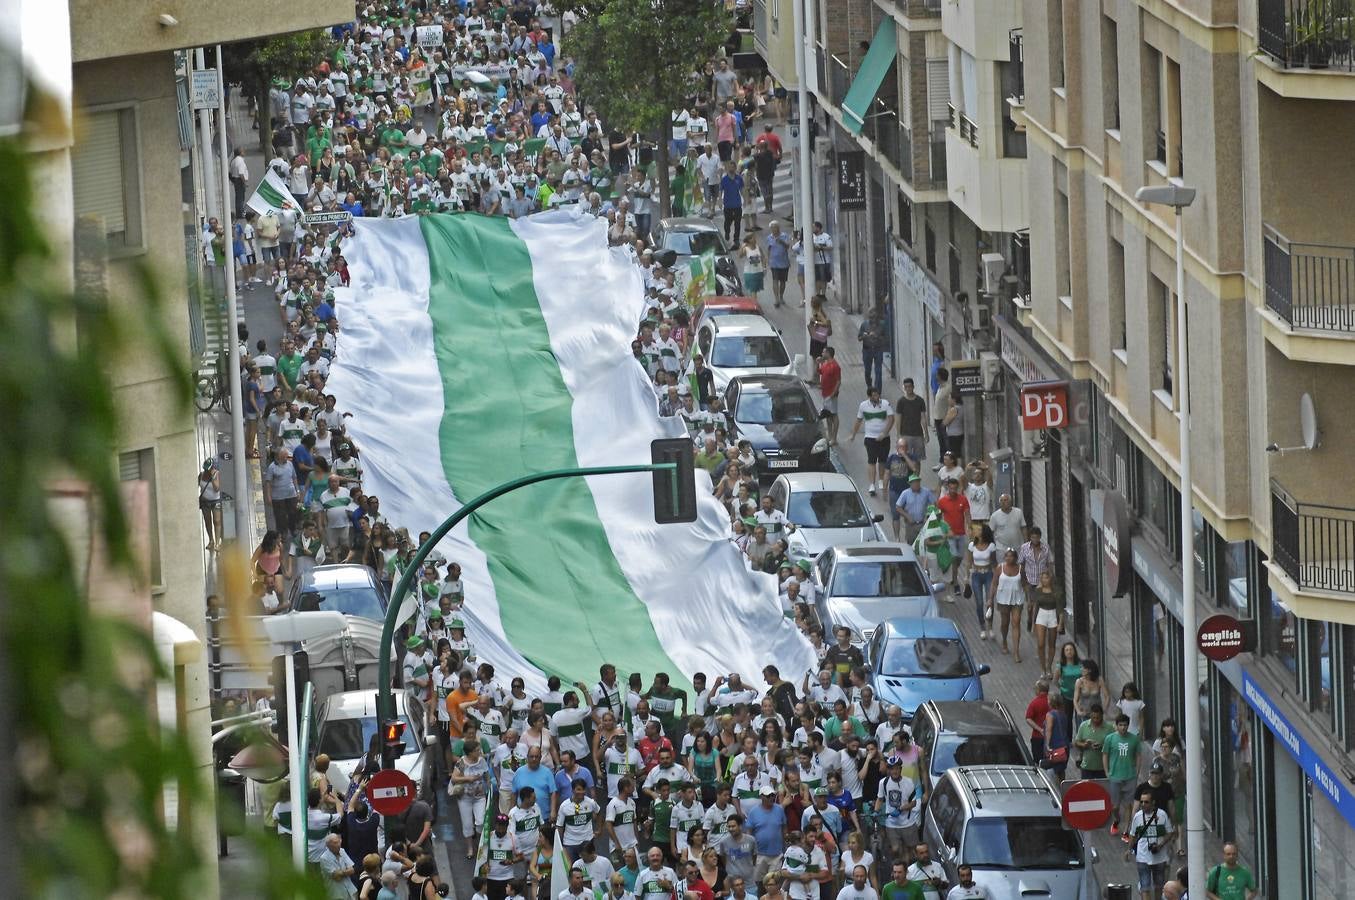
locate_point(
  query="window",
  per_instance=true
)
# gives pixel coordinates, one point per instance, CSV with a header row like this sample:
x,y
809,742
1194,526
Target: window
x,y
1162,326
905,221
105,175
139,465
1110,73
1171,116
1115,292
1151,96
774,11
929,237
1062,257
938,96
1056,54
1279,636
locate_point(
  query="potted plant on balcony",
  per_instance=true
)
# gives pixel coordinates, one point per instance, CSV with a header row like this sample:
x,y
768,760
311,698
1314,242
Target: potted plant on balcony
x,y
1319,29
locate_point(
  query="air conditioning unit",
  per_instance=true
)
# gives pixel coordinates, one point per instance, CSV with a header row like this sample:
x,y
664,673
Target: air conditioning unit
x,y
1034,444
994,266
980,315
991,367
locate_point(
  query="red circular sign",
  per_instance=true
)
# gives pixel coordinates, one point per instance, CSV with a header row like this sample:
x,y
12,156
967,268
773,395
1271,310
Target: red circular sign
x,y
390,792
1086,806
1220,638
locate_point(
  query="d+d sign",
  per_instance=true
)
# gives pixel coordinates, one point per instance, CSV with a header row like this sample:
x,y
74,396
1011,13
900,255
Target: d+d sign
x,y
1044,404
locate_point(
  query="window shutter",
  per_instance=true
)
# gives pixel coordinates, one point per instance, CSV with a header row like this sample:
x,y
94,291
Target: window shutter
x,y
129,466
906,91
96,171
938,89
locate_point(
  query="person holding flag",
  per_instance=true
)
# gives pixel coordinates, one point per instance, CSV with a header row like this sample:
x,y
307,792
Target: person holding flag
x,y
932,544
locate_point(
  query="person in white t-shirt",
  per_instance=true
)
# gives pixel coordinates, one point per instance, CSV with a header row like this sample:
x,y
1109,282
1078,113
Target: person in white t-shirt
x,y
620,821
875,417
927,873
656,881
580,820
802,867
859,888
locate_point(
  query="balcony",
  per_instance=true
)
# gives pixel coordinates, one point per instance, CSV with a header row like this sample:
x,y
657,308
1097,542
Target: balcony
x,y
1310,286
982,28
839,80
1313,545
1308,34
988,188
760,21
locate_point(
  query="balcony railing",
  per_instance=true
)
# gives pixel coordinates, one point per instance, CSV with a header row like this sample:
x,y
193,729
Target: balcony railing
x,y
969,132
760,21
938,155
839,80
1310,285
821,66
1313,544
1308,34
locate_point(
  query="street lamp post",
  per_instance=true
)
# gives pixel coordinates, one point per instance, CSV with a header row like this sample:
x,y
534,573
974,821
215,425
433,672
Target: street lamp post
x,y
1178,197
291,630
806,212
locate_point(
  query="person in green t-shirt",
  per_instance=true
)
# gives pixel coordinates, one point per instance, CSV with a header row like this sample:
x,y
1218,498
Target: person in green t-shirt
x,y
1121,752
1230,880
839,724
289,366
660,824
1090,738
900,888
663,701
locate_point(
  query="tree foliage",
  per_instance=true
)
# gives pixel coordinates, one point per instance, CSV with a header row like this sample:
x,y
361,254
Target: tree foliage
x,y
256,63
636,60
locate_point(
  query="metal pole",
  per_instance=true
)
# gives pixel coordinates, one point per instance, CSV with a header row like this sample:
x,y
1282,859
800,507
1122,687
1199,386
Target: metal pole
x,y
296,768
806,212
385,701
241,458
205,142
1191,723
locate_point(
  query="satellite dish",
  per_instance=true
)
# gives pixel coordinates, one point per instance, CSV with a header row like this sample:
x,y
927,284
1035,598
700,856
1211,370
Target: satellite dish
x,y
1308,422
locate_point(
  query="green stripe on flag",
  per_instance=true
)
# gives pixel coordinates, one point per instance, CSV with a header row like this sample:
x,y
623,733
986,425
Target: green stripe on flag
x,y
270,195
564,602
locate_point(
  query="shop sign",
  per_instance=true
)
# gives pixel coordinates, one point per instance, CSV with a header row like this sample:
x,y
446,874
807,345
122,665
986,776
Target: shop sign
x,y
917,282
851,180
1115,526
1044,404
1325,781
1222,637
1016,358
966,378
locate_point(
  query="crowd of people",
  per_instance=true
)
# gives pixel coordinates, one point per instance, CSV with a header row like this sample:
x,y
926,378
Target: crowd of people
x,y
721,791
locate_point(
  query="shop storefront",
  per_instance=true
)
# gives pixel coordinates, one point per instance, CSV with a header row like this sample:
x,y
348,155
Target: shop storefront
x,y
917,317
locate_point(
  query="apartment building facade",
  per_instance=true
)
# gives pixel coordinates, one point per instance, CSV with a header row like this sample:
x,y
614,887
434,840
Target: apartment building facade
x,y
1003,145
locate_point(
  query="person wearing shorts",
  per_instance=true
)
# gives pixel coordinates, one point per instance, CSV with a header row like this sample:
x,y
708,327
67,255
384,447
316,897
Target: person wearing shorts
x,y
876,417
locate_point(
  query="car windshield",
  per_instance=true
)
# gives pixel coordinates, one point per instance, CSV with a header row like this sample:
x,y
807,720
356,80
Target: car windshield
x,y
976,750
879,579
761,352
828,509
693,243
787,406
350,738
364,602
1021,842
925,658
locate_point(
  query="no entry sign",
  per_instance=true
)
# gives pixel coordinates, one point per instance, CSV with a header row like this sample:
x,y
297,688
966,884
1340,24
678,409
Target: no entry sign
x,y
1222,637
390,792
1086,806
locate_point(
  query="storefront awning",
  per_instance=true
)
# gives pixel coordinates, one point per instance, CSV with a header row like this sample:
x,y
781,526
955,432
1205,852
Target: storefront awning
x,y
883,49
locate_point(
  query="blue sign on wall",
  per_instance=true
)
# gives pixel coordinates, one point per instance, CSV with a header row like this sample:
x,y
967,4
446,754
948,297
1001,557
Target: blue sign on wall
x,y
1328,783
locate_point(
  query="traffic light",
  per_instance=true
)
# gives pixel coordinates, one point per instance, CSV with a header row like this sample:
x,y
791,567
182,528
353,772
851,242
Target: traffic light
x,y
281,708
674,503
392,743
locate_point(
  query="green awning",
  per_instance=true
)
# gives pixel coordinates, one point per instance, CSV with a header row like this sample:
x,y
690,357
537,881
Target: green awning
x,y
883,49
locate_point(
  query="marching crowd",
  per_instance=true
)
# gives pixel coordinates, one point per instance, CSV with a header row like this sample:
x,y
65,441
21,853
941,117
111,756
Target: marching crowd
x,y
720,791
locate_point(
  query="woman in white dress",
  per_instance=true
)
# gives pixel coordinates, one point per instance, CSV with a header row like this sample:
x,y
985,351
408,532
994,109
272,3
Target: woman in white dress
x,y
1008,596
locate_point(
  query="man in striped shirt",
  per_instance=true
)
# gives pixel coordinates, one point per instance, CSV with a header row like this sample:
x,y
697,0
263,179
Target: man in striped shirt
x,y
336,503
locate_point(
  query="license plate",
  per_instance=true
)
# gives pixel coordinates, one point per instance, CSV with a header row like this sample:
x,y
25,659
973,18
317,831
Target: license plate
x,y
782,463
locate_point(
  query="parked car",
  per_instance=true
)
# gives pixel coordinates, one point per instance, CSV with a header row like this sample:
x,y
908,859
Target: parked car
x,y
1004,822
915,659
861,585
967,733
776,415
689,236
740,345
717,305
347,588
345,725
826,509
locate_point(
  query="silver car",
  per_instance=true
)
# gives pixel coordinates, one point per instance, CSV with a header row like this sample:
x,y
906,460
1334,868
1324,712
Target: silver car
x,y
1004,822
861,585
826,509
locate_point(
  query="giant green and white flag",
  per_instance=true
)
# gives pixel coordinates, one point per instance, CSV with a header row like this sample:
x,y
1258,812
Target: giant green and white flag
x,y
272,196
475,350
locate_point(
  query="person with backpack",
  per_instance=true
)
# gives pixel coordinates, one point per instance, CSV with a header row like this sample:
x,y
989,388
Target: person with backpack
x,y
1230,880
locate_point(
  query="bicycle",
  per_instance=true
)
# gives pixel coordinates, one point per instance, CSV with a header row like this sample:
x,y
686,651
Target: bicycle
x,y
213,388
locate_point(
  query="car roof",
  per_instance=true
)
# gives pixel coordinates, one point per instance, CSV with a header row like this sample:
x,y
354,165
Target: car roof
x,y
923,627
688,223
731,301
1006,790
875,551
798,482
767,381
358,704
741,323
972,717
345,575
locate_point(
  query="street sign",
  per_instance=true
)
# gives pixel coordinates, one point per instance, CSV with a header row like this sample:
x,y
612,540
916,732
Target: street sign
x,y
851,180
1222,637
205,93
337,217
1086,805
966,378
390,792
